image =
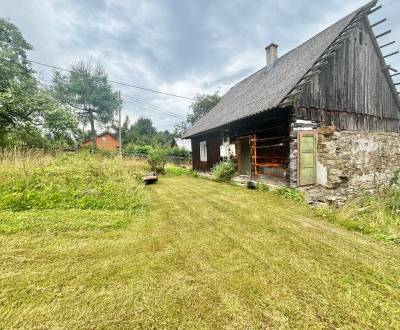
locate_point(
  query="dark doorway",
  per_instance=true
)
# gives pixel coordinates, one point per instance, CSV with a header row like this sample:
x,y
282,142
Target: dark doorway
x,y
244,163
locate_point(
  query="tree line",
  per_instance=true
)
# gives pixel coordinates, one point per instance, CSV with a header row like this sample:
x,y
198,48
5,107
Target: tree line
x,y
57,115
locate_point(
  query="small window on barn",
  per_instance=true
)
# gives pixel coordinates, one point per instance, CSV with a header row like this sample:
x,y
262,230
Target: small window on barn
x,y
104,138
203,151
360,37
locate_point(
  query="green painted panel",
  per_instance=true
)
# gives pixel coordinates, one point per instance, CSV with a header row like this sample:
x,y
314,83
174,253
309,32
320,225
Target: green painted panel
x,y
307,168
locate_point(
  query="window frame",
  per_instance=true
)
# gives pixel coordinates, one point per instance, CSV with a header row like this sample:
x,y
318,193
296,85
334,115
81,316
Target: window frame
x,y
203,151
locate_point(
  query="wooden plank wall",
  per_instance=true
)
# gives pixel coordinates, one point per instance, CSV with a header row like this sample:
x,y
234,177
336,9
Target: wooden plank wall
x,y
351,90
214,141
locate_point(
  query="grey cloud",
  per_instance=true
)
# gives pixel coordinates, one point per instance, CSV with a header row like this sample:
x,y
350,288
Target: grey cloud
x,y
182,46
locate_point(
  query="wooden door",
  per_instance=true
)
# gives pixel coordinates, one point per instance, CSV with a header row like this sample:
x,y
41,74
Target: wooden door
x,y
243,156
306,170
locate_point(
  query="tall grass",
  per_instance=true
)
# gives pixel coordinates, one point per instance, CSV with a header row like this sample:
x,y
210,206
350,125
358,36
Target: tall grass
x,y
34,180
375,214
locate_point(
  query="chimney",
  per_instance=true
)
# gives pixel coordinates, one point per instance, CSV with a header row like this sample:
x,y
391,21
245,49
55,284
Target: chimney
x,y
272,54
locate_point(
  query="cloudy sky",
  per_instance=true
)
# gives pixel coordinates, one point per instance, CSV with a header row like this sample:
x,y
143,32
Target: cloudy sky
x,y
184,47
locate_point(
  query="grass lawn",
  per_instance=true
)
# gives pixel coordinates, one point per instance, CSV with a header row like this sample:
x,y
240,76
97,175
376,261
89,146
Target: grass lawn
x,y
203,255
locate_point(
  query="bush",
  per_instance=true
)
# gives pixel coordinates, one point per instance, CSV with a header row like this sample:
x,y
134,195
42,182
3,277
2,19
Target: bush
x,y
138,150
224,171
179,152
157,160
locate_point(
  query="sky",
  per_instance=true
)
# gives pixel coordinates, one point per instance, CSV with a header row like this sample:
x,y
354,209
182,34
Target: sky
x,y
184,47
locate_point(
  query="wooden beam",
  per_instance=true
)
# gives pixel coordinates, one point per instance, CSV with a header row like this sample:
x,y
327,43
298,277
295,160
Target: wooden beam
x,y
302,83
395,74
374,10
396,84
391,54
379,22
318,65
326,56
312,73
383,34
366,9
392,69
388,44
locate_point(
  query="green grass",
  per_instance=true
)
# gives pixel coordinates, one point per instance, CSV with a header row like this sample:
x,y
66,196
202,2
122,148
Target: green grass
x,y
198,254
377,215
72,181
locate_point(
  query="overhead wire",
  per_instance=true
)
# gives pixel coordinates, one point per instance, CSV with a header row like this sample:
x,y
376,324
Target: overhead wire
x,y
119,83
154,107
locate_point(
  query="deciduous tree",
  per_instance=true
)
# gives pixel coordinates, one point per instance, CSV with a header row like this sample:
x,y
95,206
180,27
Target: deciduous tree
x,y
87,90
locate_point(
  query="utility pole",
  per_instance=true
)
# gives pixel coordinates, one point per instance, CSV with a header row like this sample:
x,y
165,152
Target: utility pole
x,y
119,123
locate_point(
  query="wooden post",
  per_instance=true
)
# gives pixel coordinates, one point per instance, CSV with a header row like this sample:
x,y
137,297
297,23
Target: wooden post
x,y
119,124
255,153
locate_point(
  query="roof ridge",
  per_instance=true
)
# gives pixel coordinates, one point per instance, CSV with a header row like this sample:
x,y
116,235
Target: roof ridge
x,y
264,90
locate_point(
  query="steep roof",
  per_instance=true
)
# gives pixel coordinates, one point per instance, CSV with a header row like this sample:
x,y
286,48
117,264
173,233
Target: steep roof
x,y
269,86
182,143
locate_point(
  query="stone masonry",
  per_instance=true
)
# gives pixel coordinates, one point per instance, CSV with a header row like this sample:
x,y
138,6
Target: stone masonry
x,y
349,163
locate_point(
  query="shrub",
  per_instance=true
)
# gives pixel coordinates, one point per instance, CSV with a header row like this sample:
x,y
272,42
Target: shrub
x,y
157,160
179,152
224,171
137,150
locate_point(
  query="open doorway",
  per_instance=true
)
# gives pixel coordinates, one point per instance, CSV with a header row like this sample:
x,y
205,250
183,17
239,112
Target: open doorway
x,y
243,155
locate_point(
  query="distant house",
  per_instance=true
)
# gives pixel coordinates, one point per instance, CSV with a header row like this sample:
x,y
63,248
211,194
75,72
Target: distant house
x,y
104,141
182,143
325,115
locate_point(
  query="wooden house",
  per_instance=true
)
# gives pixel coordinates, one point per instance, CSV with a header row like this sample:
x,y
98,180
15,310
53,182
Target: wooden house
x,y
182,144
320,114
104,141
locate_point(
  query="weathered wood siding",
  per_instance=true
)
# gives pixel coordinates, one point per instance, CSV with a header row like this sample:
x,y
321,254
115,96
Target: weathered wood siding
x,y
214,141
352,92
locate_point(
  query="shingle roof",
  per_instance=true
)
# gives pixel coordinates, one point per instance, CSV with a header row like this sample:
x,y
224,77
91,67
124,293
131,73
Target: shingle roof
x,y
184,144
268,87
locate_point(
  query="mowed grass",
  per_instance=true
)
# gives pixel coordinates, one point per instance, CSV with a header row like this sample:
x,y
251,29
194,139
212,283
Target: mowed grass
x,y
198,254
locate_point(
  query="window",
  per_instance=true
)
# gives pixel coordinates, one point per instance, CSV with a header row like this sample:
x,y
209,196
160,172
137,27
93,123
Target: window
x,y
203,151
104,138
360,37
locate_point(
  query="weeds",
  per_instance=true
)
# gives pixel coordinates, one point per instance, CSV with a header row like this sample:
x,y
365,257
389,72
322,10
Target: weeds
x,y
290,193
375,214
70,182
262,187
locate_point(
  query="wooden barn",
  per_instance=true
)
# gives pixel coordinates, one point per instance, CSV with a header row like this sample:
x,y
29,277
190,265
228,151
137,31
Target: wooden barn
x,y
300,119
104,141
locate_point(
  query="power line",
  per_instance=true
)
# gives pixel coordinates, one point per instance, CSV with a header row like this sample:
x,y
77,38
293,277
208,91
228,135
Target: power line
x,y
142,105
148,105
157,108
120,83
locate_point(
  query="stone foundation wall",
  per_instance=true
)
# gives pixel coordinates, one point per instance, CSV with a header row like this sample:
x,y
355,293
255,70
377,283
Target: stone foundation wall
x,y
349,163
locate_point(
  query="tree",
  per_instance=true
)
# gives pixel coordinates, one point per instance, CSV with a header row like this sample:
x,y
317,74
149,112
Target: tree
x,y
202,104
18,85
86,89
141,132
27,112
180,128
